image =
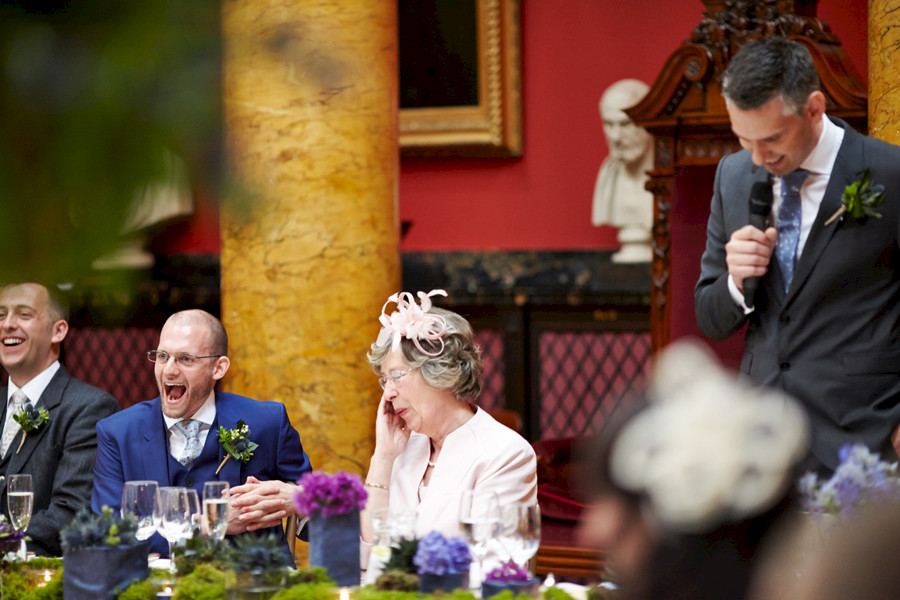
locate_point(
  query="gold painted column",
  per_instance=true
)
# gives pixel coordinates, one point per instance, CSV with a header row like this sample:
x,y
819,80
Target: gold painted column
x,y
310,226
884,70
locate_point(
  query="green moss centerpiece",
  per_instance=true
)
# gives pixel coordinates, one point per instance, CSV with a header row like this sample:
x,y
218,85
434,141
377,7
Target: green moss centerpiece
x,y
101,555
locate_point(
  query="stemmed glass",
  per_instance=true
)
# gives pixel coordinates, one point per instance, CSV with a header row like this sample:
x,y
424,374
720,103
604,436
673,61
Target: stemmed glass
x,y
520,531
138,498
20,501
172,515
479,520
216,509
194,513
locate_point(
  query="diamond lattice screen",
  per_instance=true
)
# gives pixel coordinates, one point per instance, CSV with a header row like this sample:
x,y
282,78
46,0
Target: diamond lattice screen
x,y
114,360
493,393
584,375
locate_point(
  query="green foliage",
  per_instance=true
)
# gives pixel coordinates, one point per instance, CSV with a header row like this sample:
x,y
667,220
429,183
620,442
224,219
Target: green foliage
x,y
861,198
42,563
236,443
140,590
258,553
311,575
196,551
89,530
30,418
316,591
205,583
555,593
18,582
595,592
402,555
369,593
93,95
397,581
457,595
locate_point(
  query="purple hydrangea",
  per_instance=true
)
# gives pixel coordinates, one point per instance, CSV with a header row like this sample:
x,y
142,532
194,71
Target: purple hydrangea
x,y
862,477
436,555
324,495
508,571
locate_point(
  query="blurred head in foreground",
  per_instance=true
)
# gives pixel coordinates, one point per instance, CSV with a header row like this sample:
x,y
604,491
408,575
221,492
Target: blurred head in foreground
x,y
687,484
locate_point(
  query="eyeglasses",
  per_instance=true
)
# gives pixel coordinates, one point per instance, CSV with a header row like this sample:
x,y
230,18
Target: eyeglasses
x,y
394,377
184,359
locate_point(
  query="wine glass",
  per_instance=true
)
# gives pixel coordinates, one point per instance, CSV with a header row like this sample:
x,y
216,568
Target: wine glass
x,y
138,498
216,509
194,513
479,520
20,501
520,531
172,515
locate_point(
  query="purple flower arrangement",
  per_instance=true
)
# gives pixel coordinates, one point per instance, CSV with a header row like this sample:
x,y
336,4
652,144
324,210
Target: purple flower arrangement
x,y
861,478
437,555
323,495
10,539
508,571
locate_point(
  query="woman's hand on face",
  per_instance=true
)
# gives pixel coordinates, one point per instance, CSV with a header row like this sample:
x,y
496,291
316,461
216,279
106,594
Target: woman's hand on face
x,y
391,433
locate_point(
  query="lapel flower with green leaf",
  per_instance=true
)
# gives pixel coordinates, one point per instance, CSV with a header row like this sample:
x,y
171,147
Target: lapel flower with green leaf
x,y
236,444
860,199
30,419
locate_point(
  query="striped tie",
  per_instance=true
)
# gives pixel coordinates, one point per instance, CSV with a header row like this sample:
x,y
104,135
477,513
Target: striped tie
x,y
11,428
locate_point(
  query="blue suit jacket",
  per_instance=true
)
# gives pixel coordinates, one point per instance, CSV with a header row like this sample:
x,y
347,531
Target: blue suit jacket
x,y
133,445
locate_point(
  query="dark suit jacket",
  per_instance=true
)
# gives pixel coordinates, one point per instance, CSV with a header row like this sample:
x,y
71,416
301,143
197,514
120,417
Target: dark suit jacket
x,y
832,340
59,456
133,445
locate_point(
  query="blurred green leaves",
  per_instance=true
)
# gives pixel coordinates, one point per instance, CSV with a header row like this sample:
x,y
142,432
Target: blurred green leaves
x,y
92,95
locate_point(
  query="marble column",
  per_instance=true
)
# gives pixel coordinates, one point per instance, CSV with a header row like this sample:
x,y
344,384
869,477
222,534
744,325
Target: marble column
x,y
309,225
884,70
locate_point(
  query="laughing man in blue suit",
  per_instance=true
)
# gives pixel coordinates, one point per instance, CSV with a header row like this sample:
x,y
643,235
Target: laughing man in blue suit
x,y
147,442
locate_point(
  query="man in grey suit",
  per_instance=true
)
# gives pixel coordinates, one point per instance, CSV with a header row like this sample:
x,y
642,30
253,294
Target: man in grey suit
x,y
59,454
824,321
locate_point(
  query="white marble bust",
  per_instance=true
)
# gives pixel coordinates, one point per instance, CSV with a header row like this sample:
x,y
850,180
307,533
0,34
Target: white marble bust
x,y
620,199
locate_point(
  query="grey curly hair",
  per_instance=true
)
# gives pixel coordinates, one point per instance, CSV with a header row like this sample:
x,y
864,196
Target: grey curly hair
x,y
458,368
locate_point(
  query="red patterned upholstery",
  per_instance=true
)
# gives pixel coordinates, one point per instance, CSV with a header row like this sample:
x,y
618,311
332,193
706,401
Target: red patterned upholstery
x,y
113,360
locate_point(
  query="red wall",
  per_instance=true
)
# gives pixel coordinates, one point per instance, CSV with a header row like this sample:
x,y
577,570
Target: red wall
x,y
571,51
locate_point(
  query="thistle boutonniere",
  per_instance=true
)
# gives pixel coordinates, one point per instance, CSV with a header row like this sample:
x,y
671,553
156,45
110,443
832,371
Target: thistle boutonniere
x,y
236,444
30,419
860,199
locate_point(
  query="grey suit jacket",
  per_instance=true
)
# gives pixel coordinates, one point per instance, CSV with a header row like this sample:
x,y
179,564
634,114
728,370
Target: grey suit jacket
x,y
833,340
59,456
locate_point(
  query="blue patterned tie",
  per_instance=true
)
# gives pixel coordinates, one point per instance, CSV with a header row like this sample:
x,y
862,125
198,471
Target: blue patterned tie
x,y
191,431
789,224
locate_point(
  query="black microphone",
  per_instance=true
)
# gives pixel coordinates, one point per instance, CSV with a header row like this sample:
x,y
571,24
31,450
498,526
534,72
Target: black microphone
x,y
760,207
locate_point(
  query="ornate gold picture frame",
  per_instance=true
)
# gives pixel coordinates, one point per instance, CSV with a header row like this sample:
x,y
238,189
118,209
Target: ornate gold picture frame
x,y
490,126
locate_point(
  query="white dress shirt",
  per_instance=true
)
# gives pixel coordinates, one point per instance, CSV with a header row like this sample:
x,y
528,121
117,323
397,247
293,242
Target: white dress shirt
x,y
819,163
206,414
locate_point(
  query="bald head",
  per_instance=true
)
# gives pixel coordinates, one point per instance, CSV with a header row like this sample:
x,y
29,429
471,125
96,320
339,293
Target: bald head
x,y
218,339
623,94
627,142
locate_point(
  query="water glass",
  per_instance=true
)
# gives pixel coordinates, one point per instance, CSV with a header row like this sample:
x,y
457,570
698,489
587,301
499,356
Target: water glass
x,y
138,498
520,531
172,515
479,520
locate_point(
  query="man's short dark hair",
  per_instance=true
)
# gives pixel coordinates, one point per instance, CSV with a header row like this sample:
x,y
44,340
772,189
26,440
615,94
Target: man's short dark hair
x,y
58,304
767,67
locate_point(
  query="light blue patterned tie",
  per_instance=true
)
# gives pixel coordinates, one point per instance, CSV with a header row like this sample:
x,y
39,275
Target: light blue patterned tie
x,y
789,224
191,430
